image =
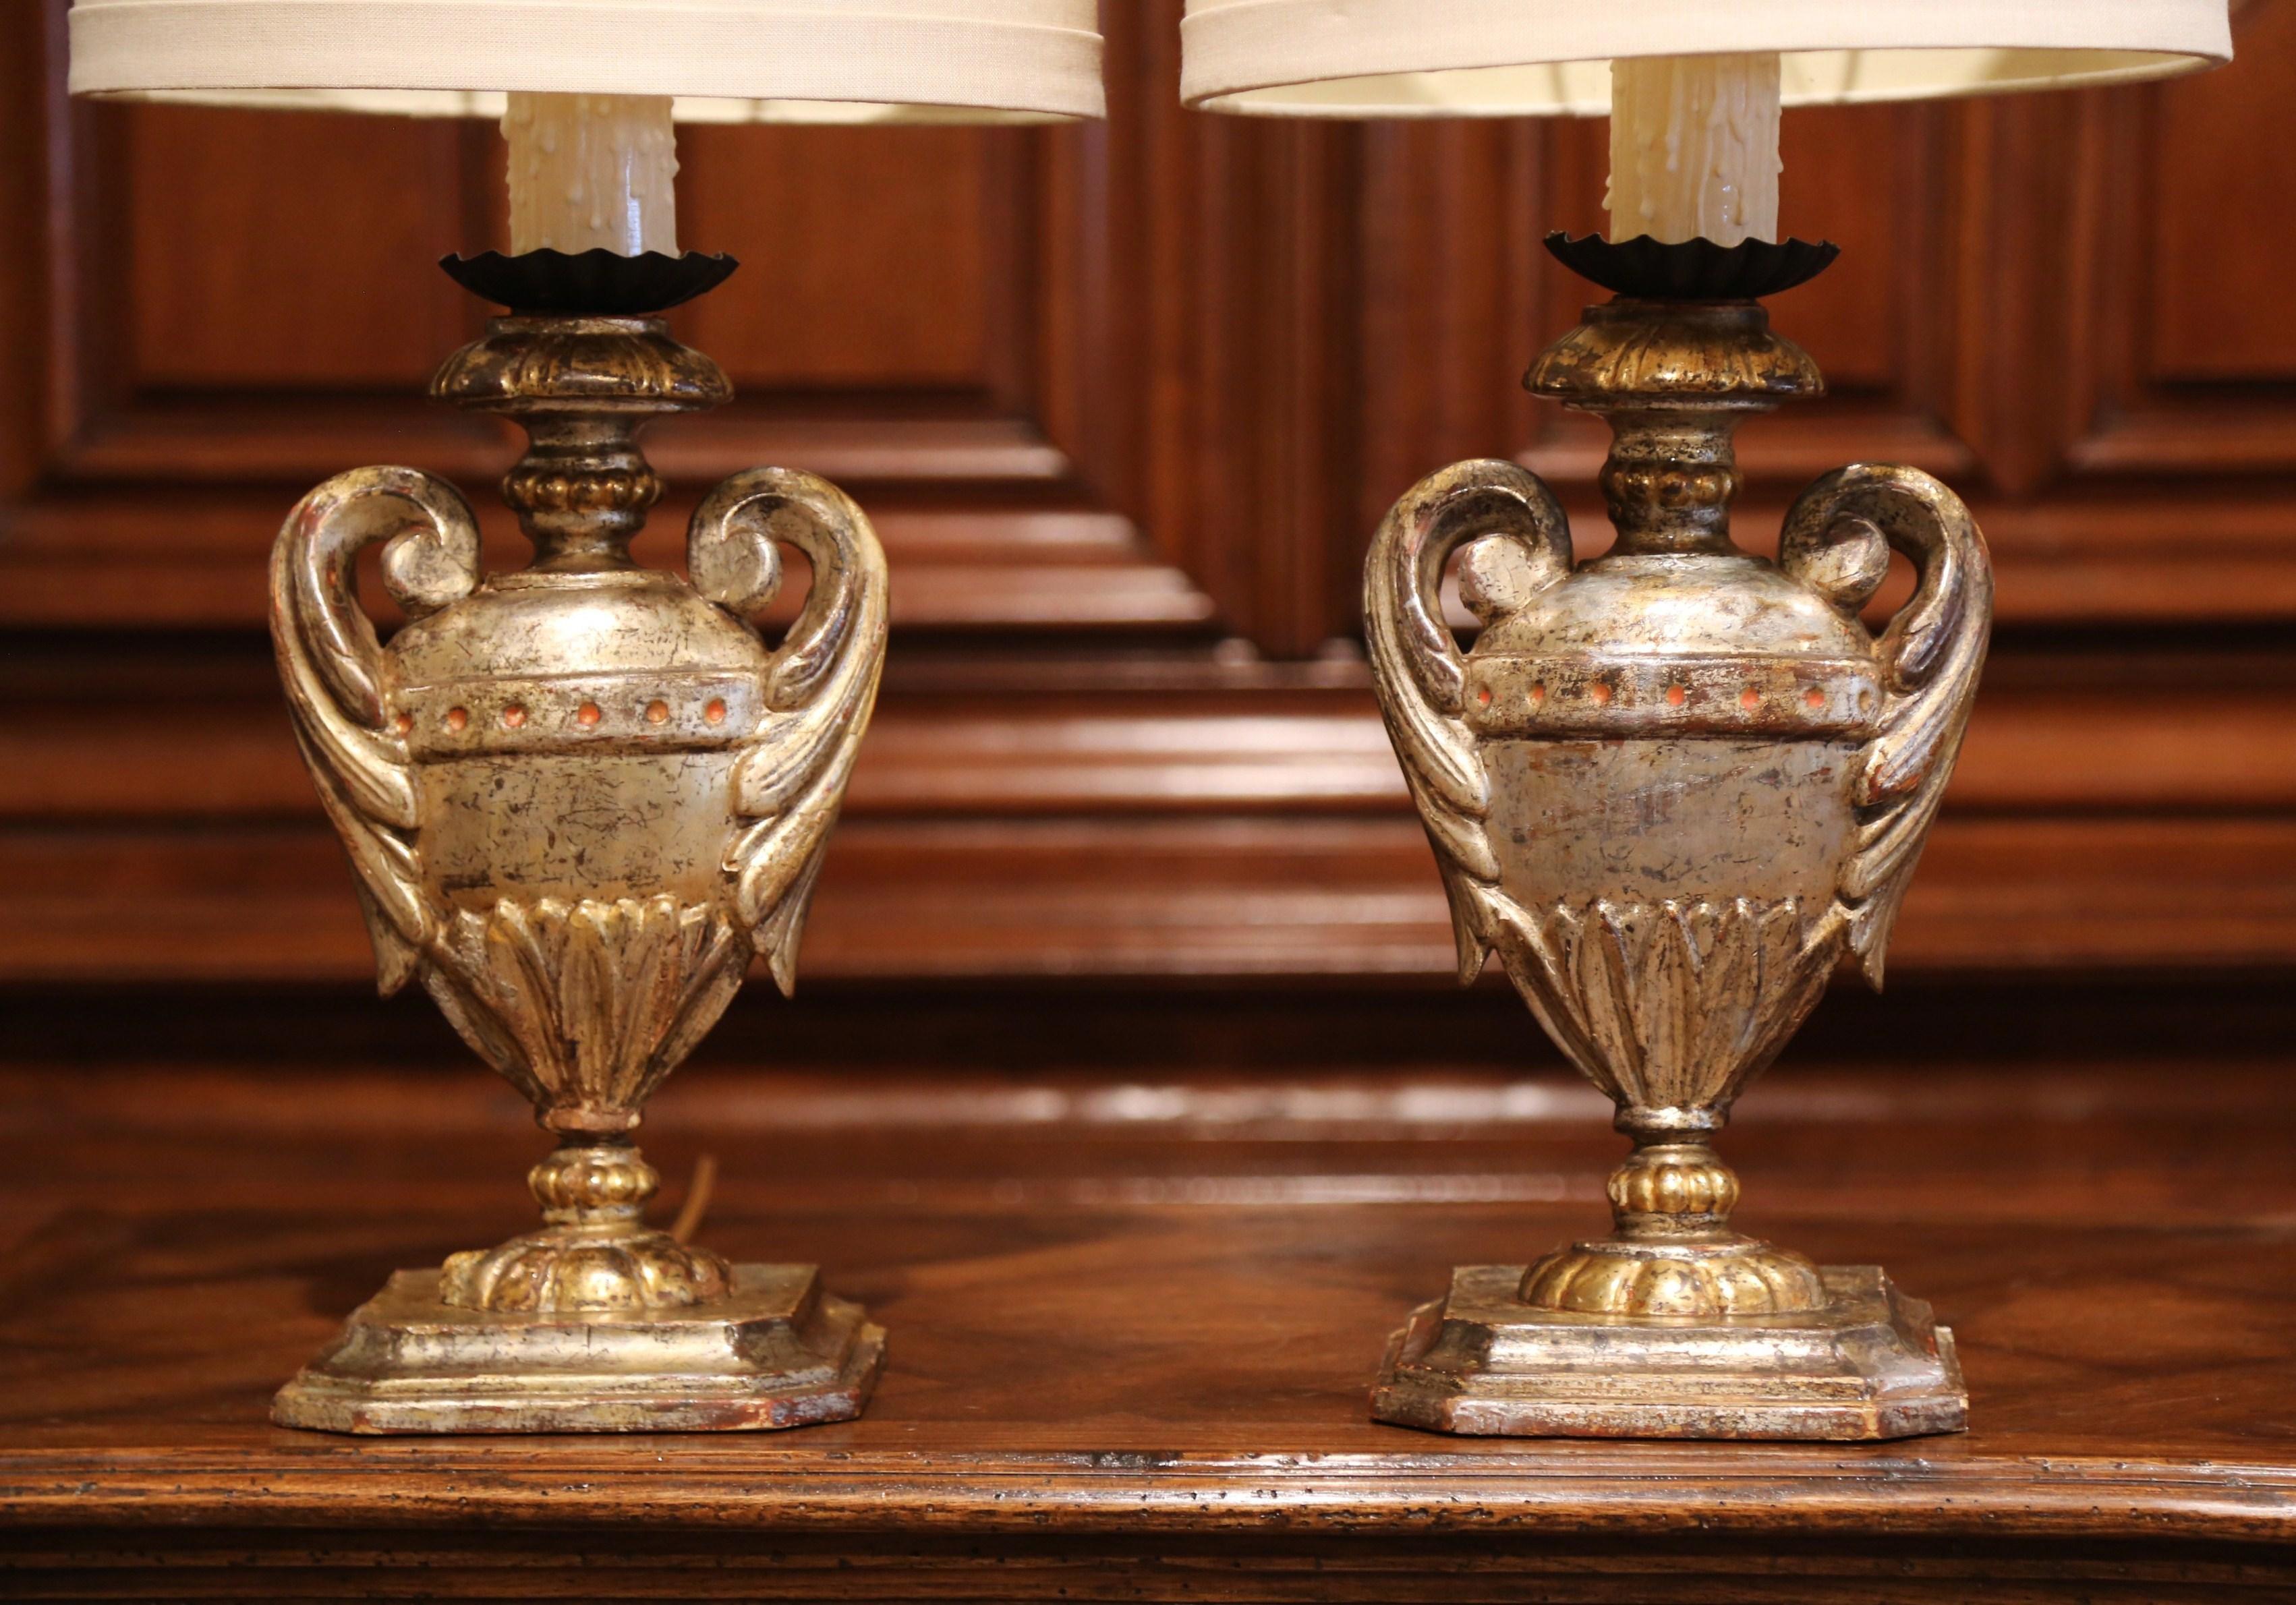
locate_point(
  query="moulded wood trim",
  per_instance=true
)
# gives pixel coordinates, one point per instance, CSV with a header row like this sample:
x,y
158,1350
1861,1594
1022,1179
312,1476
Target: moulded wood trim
x,y
2175,749
1209,1106
276,439
2253,435
2158,591
237,527
118,560
2150,555
94,545
2120,417
1223,897
147,561
1783,449
891,447
271,440
1100,597
2145,556
1157,1499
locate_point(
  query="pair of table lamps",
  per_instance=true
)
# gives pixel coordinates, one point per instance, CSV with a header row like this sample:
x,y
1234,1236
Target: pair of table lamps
x,y
1672,788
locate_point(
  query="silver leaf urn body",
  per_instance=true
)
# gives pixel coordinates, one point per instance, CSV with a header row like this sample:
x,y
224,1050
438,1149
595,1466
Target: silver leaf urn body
x,y
580,798
1671,788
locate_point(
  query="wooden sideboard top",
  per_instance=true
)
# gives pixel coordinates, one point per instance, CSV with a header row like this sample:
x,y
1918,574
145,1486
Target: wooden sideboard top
x,y
1149,1313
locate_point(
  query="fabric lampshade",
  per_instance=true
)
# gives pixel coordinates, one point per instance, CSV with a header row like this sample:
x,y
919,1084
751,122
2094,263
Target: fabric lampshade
x,y
1512,58
726,60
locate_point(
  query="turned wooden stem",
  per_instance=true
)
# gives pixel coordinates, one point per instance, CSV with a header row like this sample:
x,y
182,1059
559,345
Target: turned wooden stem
x,y
582,491
1670,478
1672,1189
593,1185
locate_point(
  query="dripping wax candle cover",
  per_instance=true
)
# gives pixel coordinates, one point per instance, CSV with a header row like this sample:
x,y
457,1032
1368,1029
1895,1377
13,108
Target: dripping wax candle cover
x,y
1694,147
592,171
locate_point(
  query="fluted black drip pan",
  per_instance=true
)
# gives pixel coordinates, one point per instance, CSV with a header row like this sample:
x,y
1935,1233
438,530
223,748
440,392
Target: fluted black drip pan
x,y
596,282
1693,270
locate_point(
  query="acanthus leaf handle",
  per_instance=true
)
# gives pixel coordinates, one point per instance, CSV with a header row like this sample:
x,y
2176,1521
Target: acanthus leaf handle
x,y
1930,655
820,684
336,673
1419,672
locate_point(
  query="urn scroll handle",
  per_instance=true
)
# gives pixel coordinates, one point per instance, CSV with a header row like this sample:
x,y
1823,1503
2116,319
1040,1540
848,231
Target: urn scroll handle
x,y
1931,655
336,673
1417,667
820,685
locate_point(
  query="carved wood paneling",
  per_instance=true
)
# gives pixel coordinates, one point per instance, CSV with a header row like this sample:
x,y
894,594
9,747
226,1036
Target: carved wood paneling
x,y
313,293
1166,896
2186,363
2217,271
1126,402
910,256
247,302
2059,303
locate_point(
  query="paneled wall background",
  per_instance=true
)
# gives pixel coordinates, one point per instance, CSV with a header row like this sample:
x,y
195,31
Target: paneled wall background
x,y
1126,402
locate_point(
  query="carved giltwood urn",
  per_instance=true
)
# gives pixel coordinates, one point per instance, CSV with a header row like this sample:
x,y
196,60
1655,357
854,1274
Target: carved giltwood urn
x,y
1672,789
1673,786
578,799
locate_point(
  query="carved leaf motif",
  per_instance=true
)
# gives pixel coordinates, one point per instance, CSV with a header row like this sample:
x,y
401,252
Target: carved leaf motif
x,y
1932,653
1604,998
820,689
1671,1005
586,1005
1730,970
1665,995
334,673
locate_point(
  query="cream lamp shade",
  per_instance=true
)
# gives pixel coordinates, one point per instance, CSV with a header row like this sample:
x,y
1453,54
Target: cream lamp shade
x,y
1512,58
724,61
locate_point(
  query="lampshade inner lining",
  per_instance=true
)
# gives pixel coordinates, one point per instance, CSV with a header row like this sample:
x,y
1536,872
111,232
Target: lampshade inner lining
x,y
1816,78
686,108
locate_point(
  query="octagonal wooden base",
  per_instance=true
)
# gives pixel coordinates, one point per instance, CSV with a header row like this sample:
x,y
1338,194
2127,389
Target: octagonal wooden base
x,y
778,1352
1871,1365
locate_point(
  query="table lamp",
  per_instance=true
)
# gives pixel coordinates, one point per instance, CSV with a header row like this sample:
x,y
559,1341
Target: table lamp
x,y
1675,787
581,798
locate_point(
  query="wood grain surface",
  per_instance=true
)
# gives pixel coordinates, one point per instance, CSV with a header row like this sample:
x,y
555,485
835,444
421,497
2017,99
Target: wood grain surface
x,y
1132,1320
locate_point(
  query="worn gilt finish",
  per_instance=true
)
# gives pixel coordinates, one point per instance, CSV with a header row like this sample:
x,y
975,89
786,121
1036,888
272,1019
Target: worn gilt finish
x,y
1672,789
578,799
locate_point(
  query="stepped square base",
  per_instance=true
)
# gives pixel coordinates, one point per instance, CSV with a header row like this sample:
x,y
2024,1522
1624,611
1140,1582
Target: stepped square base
x,y
777,1353
1872,1364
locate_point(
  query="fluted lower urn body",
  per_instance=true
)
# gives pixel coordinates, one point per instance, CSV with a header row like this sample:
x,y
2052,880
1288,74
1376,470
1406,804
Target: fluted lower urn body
x,y
1671,789
580,798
